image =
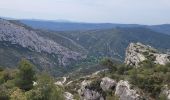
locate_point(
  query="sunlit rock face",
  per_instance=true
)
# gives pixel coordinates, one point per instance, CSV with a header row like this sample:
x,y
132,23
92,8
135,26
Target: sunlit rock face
x,y
137,52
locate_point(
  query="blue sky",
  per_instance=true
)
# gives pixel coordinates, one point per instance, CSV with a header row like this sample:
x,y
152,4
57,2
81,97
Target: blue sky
x,y
112,11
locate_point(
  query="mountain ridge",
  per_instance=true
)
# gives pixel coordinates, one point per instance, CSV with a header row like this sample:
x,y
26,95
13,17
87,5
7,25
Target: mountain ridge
x,y
72,26
18,41
91,45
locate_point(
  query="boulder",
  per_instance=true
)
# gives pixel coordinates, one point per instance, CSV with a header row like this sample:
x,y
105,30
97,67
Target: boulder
x,y
88,94
68,96
107,84
124,92
59,83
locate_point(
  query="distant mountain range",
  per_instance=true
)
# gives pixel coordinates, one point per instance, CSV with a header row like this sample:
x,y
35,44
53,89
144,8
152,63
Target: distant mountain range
x,y
73,26
58,47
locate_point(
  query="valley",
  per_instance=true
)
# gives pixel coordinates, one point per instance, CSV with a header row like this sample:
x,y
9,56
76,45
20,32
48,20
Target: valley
x,y
84,50
83,64
60,52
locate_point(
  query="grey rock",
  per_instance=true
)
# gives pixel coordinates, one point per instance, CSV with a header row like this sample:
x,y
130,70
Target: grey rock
x,y
68,96
87,94
162,59
107,84
133,56
137,52
124,92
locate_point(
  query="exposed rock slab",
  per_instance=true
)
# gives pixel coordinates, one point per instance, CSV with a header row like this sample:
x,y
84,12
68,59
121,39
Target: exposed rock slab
x,y
107,84
137,52
87,94
162,59
124,92
68,96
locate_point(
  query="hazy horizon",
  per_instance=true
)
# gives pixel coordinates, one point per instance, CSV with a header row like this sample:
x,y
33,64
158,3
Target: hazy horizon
x,y
146,12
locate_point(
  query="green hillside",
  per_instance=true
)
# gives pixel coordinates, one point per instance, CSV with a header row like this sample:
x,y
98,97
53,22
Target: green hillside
x,y
112,42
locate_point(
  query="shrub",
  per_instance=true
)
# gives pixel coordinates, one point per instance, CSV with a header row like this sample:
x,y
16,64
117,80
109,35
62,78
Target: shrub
x,y
4,76
45,90
145,53
160,68
4,95
122,69
134,77
151,84
147,64
18,95
26,75
168,65
162,97
167,77
109,64
1,69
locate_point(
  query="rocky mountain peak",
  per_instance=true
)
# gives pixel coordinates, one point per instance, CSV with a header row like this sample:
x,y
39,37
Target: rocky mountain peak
x,y
138,52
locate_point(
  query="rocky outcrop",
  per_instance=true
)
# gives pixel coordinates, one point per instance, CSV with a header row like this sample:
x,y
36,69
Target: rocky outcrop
x,y
162,59
137,52
124,92
61,83
133,57
15,34
88,94
107,84
68,96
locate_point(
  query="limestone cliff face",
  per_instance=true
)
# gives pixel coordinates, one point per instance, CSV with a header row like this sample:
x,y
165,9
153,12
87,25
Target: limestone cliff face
x,y
137,52
15,34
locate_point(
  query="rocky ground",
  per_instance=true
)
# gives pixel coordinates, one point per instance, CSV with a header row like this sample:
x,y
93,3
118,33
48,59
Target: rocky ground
x,y
102,87
137,52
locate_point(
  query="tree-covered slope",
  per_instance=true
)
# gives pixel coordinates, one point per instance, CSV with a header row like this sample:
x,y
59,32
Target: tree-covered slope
x,y
112,42
165,28
73,26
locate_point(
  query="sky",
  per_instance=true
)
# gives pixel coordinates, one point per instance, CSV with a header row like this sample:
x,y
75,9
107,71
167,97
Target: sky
x,y
95,11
